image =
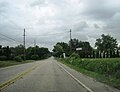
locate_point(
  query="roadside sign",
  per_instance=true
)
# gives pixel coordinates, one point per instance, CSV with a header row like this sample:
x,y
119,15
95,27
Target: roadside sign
x,y
64,55
78,48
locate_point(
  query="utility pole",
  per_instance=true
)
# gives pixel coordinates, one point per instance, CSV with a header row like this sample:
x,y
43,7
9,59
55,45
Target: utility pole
x,y
24,44
70,42
34,43
34,47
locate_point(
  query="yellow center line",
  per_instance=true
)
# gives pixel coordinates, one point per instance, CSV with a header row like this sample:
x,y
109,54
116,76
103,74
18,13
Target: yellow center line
x,y
17,77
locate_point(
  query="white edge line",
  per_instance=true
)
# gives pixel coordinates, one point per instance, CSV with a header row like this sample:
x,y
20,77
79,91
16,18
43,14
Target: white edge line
x,y
88,89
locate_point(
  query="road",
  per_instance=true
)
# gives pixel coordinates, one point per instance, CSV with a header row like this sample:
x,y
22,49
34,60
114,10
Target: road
x,y
48,76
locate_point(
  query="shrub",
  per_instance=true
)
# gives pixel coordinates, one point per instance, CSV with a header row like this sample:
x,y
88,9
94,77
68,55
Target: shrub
x,y
73,59
34,57
3,58
22,56
117,74
107,67
74,55
18,59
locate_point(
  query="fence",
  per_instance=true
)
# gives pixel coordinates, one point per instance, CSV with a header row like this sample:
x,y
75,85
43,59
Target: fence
x,y
99,54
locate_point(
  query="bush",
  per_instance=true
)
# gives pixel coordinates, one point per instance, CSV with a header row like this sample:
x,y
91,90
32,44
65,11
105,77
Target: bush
x,y
107,67
22,56
74,55
3,58
73,59
117,74
34,57
18,59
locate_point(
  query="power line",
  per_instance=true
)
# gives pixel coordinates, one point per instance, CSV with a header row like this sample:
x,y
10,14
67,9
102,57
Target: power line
x,y
11,21
48,34
5,39
10,38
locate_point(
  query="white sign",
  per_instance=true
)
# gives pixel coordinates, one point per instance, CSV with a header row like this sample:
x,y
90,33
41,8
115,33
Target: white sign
x,y
78,48
64,55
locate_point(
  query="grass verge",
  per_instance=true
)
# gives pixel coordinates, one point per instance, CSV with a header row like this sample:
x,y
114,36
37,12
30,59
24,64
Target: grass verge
x,y
11,63
99,77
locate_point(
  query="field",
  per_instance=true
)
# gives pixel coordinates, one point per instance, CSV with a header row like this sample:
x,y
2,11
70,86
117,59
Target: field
x,y
106,70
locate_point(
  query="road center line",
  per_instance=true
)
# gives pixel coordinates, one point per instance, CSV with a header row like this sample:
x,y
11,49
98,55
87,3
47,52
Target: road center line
x,y
78,81
16,77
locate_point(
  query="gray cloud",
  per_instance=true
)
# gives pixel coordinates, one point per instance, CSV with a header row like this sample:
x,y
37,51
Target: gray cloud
x,y
101,9
96,26
3,7
49,21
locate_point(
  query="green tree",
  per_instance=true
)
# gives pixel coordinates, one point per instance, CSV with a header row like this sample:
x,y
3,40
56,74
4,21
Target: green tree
x,y
65,47
86,48
61,47
11,53
74,44
29,52
18,50
106,43
43,52
58,50
40,52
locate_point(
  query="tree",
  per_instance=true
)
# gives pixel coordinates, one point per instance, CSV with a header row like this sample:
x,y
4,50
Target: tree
x,y
37,52
1,50
106,43
29,52
65,47
8,52
18,50
74,44
86,48
61,47
43,52
80,44
3,53
12,53
58,50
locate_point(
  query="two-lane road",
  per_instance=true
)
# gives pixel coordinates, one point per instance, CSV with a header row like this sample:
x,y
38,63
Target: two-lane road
x,y
50,76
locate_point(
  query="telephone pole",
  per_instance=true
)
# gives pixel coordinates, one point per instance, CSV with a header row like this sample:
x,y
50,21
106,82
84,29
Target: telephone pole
x,y
24,44
34,47
34,43
70,42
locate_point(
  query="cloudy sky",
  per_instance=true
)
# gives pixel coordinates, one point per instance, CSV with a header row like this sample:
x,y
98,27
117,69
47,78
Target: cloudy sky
x,y
49,21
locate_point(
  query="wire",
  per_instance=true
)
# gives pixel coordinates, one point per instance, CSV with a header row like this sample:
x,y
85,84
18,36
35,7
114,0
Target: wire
x,y
5,39
11,21
10,38
48,34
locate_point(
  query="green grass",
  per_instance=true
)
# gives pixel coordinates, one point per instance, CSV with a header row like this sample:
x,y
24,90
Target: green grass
x,y
109,80
103,59
11,63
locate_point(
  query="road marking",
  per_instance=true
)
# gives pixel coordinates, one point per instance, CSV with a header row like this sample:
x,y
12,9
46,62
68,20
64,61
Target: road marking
x,y
79,82
16,77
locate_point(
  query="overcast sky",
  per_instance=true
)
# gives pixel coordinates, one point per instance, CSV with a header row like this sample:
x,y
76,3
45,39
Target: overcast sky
x,y
49,21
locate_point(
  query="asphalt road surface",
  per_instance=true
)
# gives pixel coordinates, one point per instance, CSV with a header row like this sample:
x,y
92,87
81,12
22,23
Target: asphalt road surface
x,y
48,76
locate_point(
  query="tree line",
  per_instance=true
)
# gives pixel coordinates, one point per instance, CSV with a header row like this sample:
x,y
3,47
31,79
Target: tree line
x,y
105,47
12,53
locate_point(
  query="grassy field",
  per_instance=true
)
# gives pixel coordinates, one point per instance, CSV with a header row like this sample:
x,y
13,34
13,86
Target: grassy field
x,y
103,59
103,70
10,63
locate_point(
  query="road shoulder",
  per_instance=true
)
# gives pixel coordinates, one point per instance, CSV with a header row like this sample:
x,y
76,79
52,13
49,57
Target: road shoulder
x,y
90,82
